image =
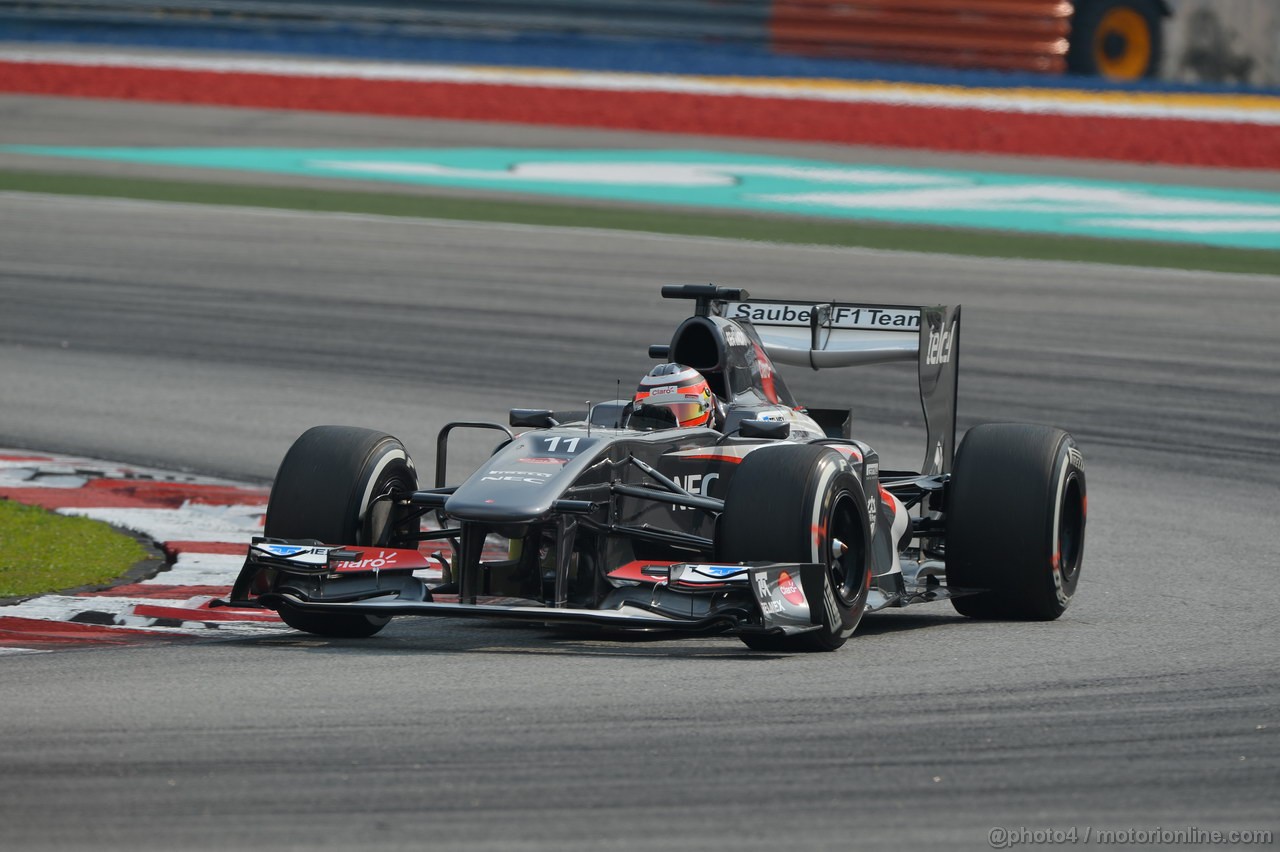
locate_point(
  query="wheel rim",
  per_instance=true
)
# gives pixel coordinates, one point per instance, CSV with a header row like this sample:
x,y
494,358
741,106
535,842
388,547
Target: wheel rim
x,y
1070,542
380,512
1122,44
848,570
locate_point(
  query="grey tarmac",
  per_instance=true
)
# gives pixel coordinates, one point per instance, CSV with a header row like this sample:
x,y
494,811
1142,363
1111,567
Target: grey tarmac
x,y
207,339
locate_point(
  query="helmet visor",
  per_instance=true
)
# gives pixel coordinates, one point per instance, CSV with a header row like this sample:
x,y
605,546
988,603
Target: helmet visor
x,y
687,410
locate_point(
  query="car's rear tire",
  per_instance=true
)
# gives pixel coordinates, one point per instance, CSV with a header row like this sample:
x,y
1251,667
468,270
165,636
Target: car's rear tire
x,y
1015,518
326,489
787,504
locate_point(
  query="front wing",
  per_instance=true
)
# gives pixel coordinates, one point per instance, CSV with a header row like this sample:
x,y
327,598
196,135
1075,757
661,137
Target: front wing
x,y
758,598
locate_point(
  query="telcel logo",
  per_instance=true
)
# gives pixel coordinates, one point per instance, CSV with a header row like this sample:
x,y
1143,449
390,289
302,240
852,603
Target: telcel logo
x,y
939,351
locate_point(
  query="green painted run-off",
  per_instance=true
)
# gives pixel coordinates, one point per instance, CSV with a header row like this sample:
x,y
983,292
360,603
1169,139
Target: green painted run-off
x,y
775,185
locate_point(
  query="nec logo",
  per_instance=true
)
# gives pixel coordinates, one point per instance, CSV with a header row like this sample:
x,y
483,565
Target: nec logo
x,y
697,484
940,343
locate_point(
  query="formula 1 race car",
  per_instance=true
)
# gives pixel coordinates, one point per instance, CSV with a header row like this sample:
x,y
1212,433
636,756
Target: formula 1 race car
x,y
709,503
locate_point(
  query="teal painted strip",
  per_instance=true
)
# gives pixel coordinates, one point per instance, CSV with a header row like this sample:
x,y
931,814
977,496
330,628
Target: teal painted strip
x,y
1022,203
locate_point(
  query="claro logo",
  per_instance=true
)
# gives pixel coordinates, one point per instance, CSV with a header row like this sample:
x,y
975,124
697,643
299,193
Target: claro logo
x,y
940,343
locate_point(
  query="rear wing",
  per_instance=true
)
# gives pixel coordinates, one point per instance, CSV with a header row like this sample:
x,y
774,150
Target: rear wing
x,y
846,334
830,334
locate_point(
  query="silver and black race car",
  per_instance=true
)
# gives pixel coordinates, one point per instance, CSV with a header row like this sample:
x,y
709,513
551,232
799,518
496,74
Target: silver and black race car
x,y
770,523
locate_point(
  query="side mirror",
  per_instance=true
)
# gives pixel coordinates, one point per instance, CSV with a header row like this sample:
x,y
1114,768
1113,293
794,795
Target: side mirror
x,y
609,415
535,418
773,429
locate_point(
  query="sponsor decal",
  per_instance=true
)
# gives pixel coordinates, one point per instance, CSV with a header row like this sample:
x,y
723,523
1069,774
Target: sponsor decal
x,y
375,559
666,390
790,589
695,483
708,576
734,336
1075,458
871,513
719,571
873,469
841,316
543,460
767,604
304,554
283,549
939,351
384,559
533,477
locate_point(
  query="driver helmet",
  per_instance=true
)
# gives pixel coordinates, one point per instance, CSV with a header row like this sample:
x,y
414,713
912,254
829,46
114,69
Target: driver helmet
x,y
680,392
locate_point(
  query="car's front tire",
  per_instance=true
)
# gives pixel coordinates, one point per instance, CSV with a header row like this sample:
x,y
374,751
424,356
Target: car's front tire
x,y
327,489
1015,522
790,503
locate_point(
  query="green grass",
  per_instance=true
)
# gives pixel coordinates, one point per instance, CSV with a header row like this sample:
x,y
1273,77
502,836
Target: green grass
x,y
44,552
705,223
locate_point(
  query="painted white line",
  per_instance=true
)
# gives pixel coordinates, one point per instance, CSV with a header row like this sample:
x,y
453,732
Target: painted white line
x,y
18,477
200,569
194,522
1249,110
48,465
68,607
1194,226
15,476
120,611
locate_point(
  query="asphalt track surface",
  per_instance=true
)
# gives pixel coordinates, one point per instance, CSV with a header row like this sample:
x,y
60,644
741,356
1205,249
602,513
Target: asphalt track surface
x,y
208,338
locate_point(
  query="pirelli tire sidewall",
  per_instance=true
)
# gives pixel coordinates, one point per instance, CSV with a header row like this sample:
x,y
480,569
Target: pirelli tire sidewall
x,y
785,504
1016,512
325,486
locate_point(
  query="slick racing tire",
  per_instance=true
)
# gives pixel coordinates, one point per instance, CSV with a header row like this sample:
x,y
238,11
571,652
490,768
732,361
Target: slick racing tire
x,y
790,503
1015,522
326,489
1116,39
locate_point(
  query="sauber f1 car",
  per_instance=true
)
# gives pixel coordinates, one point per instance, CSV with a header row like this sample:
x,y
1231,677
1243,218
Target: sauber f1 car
x,y
768,522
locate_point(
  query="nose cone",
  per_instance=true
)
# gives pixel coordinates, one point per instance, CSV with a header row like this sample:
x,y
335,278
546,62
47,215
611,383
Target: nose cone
x,y
521,482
